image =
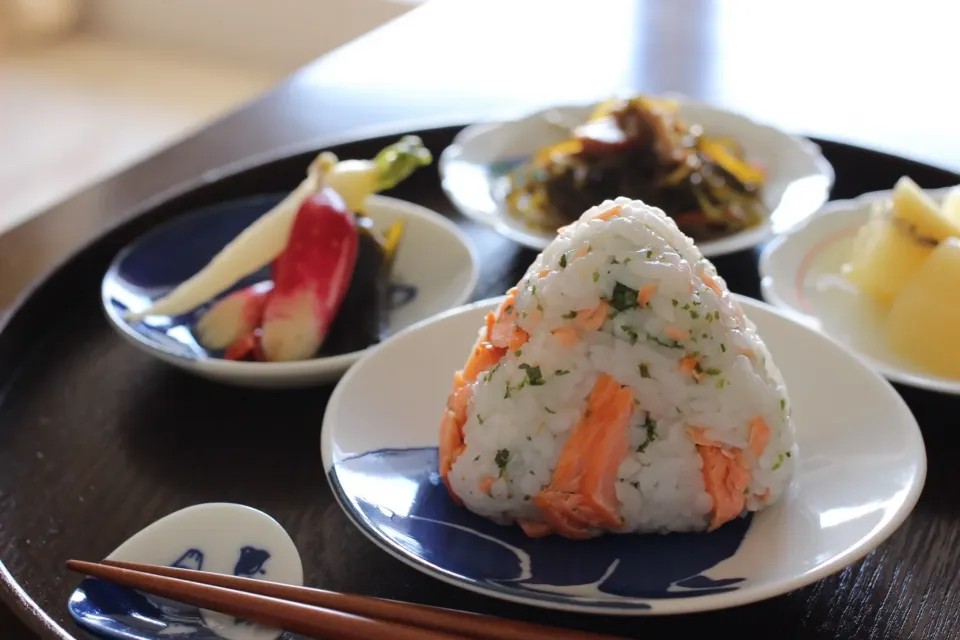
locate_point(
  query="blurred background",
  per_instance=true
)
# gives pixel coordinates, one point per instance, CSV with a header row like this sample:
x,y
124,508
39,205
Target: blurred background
x,y
88,87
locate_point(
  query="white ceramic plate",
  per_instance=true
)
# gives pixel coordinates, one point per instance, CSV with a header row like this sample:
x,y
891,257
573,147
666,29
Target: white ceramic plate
x,y
436,269
861,467
474,167
800,271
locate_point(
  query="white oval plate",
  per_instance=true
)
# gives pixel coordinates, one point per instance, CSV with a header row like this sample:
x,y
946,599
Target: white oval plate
x,y
800,272
436,269
860,470
474,169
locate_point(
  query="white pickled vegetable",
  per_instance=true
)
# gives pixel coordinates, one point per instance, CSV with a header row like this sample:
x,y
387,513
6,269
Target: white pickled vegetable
x,y
257,246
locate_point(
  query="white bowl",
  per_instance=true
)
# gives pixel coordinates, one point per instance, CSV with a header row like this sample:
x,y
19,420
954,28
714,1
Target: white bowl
x,y
801,272
474,170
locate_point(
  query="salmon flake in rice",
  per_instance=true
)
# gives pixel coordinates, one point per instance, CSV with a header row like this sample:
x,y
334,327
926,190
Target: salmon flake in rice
x,y
619,388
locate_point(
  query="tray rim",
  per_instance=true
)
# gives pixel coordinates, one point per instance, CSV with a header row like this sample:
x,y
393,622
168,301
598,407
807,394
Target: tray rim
x,y
12,594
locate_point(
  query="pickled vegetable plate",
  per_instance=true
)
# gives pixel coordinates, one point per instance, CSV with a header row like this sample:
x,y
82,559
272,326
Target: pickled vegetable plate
x,y
435,269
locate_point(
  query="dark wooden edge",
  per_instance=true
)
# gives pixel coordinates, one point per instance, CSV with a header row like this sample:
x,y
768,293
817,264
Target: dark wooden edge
x,y
29,612
11,593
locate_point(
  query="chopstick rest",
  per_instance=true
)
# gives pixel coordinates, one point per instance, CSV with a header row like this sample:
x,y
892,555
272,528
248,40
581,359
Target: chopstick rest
x,y
326,624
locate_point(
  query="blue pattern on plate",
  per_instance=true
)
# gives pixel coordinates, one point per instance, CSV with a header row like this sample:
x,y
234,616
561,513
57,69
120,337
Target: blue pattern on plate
x,y
175,251
398,495
113,611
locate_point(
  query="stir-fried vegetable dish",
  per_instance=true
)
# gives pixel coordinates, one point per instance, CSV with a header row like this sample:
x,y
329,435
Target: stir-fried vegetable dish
x,y
640,148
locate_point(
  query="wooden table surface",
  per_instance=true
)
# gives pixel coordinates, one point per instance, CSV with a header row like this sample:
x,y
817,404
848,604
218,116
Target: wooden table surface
x,y
871,73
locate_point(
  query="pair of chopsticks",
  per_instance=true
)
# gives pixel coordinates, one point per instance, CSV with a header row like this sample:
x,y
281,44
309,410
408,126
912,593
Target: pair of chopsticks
x,y
326,615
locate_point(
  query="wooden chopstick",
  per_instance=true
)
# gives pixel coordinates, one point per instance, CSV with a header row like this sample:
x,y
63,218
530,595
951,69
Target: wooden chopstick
x,y
471,625
423,618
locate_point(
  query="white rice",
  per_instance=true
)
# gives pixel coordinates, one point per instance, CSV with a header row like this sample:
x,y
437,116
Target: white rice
x,y
517,436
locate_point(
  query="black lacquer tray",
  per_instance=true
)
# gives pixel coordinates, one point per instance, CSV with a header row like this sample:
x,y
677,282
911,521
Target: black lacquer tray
x,y
97,440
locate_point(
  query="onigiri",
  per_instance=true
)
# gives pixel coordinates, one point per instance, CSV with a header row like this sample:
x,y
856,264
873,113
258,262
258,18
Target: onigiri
x,y
619,388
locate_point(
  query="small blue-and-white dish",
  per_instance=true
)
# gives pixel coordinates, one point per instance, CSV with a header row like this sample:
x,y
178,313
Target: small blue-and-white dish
x,y
435,269
859,473
222,538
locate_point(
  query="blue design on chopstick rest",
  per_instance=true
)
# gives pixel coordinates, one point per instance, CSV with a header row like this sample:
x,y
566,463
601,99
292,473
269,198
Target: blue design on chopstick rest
x,y
398,495
114,611
251,561
173,252
191,559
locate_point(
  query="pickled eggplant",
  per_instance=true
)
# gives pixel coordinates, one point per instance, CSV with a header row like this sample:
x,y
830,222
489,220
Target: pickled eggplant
x,y
364,316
